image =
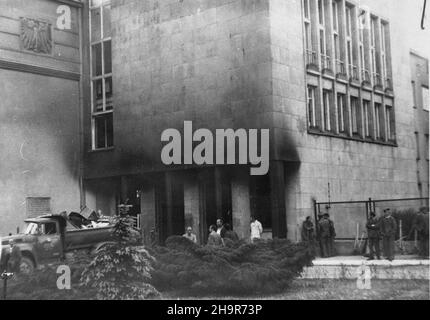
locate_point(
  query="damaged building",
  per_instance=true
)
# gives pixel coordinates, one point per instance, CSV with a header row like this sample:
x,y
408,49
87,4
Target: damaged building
x,y
331,79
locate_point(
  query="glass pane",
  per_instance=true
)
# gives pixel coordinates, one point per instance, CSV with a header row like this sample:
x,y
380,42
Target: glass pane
x,y
106,22
108,89
100,130
108,56
109,130
95,24
97,60
98,95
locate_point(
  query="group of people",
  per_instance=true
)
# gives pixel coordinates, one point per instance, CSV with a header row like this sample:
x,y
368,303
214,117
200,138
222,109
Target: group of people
x,y
384,228
221,231
325,234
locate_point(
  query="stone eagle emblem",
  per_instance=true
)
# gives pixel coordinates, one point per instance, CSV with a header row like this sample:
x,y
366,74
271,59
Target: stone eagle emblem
x,y
36,36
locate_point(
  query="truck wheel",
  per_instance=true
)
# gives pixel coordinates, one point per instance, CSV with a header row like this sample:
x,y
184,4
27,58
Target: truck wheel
x,y
26,266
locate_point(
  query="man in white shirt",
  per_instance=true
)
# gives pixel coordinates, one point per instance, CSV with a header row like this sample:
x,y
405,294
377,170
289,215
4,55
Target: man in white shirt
x,y
256,229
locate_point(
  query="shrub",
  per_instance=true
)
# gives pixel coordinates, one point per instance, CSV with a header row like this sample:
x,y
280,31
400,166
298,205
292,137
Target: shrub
x,y
121,270
240,268
42,283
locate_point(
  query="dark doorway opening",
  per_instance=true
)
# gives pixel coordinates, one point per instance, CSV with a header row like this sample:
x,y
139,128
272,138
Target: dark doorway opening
x,y
261,207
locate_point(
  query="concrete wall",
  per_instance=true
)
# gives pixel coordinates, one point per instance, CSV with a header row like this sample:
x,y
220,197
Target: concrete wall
x,y
39,115
205,61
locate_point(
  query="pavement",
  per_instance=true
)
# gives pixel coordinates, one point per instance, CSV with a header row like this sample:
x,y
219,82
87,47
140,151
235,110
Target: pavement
x,y
348,267
411,260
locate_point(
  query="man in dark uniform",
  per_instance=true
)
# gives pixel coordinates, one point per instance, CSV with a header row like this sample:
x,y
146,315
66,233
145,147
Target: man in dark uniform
x,y
318,235
308,232
324,234
373,236
332,247
388,228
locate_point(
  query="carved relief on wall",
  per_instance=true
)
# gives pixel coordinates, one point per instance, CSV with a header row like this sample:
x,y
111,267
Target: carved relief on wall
x,y
36,36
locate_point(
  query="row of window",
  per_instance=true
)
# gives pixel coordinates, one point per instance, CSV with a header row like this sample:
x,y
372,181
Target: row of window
x,y
347,40
349,117
101,74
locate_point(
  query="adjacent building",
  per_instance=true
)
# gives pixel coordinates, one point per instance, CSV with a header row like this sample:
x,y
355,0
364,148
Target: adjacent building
x,y
40,110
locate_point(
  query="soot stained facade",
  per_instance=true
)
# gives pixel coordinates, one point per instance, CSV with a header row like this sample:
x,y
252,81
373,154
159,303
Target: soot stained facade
x,y
330,79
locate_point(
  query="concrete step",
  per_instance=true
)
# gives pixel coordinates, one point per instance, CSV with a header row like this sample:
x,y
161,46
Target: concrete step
x,y
405,267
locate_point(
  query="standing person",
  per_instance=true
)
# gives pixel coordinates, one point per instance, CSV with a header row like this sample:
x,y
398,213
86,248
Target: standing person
x,y
332,247
308,231
373,235
320,245
190,235
388,231
324,234
220,228
14,261
256,229
230,234
214,238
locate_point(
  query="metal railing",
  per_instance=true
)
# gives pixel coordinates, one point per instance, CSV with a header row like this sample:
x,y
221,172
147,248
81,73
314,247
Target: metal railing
x,y
377,80
340,67
350,217
365,75
353,72
136,221
311,58
326,62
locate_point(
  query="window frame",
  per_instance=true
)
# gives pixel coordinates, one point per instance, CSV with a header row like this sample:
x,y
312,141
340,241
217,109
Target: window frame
x,y
107,107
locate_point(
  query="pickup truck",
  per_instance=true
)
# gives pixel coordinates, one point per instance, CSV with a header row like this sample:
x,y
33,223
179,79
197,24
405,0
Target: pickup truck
x,y
48,238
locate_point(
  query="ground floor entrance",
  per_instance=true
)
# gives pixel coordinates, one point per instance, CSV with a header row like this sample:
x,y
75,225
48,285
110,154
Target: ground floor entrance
x,y
170,201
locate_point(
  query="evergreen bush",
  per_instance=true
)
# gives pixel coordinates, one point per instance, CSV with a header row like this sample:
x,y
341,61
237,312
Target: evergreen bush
x,y
240,268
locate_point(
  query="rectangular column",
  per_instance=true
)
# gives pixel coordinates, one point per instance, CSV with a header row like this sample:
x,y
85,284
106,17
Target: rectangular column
x,y
169,203
241,203
192,206
277,186
148,208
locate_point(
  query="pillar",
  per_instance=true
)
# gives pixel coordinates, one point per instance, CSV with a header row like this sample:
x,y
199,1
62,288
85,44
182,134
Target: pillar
x,y
241,208
169,202
148,208
192,206
277,187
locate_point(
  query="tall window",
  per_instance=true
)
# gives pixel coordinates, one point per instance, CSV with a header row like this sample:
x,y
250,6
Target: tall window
x,y
389,122
384,70
342,113
336,40
355,116
307,19
327,109
367,112
373,52
362,22
101,74
311,106
378,121
325,62
349,56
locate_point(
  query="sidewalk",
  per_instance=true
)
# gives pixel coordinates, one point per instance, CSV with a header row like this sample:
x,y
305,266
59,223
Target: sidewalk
x,y
348,267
